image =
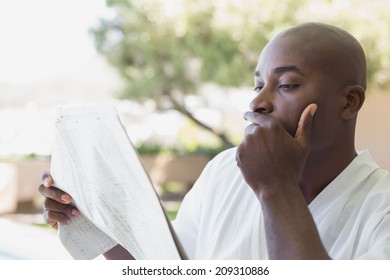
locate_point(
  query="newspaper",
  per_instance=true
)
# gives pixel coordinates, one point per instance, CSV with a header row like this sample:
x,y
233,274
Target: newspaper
x,y
95,162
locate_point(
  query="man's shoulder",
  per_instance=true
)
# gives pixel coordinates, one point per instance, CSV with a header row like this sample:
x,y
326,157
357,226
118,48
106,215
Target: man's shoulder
x,y
226,158
223,163
227,154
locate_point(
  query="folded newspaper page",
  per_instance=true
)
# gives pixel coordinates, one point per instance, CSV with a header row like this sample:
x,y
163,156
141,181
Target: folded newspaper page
x,y
95,162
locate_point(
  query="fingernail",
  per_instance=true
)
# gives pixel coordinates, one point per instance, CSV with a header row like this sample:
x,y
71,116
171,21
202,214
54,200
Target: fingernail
x,y
46,182
66,198
313,110
75,212
46,179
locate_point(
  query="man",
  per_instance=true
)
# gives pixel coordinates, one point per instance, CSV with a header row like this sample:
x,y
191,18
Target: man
x,y
295,188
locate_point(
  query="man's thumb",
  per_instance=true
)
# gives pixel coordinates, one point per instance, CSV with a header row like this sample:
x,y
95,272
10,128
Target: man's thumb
x,y
302,135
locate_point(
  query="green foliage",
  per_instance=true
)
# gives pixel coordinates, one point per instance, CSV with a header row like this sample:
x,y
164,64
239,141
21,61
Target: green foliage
x,y
155,149
166,49
171,209
163,56
190,140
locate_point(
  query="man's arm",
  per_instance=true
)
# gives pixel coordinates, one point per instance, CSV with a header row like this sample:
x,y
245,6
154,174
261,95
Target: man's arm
x,y
290,230
267,147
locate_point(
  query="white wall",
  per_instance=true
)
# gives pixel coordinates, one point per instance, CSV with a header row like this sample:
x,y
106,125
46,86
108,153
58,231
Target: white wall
x,y
373,128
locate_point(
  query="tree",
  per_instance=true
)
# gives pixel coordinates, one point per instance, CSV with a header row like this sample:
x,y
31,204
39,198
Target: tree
x,y
165,57
165,50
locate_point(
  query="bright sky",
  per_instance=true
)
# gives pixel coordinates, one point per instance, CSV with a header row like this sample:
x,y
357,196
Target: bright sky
x,y
41,37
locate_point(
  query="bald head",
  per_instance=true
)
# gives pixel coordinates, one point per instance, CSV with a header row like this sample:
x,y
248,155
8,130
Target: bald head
x,y
332,49
313,63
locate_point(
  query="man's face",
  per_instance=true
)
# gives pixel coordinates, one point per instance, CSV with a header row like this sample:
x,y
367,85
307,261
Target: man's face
x,y
287,79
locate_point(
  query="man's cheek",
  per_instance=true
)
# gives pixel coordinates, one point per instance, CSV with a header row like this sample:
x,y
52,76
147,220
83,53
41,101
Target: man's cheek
x,y
291,121
291,125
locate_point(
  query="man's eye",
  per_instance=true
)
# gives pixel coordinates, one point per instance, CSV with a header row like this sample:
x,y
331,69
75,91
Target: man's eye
x,y
258,88
288,86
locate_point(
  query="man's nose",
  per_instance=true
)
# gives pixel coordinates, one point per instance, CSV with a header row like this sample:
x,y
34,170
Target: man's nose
x,y
262,103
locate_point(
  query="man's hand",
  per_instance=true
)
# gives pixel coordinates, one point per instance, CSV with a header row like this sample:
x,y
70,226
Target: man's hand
x,y
269,156
57,208
272,162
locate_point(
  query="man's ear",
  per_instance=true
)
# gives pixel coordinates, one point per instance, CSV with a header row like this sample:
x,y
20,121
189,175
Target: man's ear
x,y
354,99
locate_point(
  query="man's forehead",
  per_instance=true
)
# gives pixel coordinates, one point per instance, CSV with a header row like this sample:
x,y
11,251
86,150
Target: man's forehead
x,y
279,59
286,54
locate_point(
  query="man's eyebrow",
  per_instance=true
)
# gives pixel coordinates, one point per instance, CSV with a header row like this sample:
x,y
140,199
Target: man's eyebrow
x,y
283,69
288,68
